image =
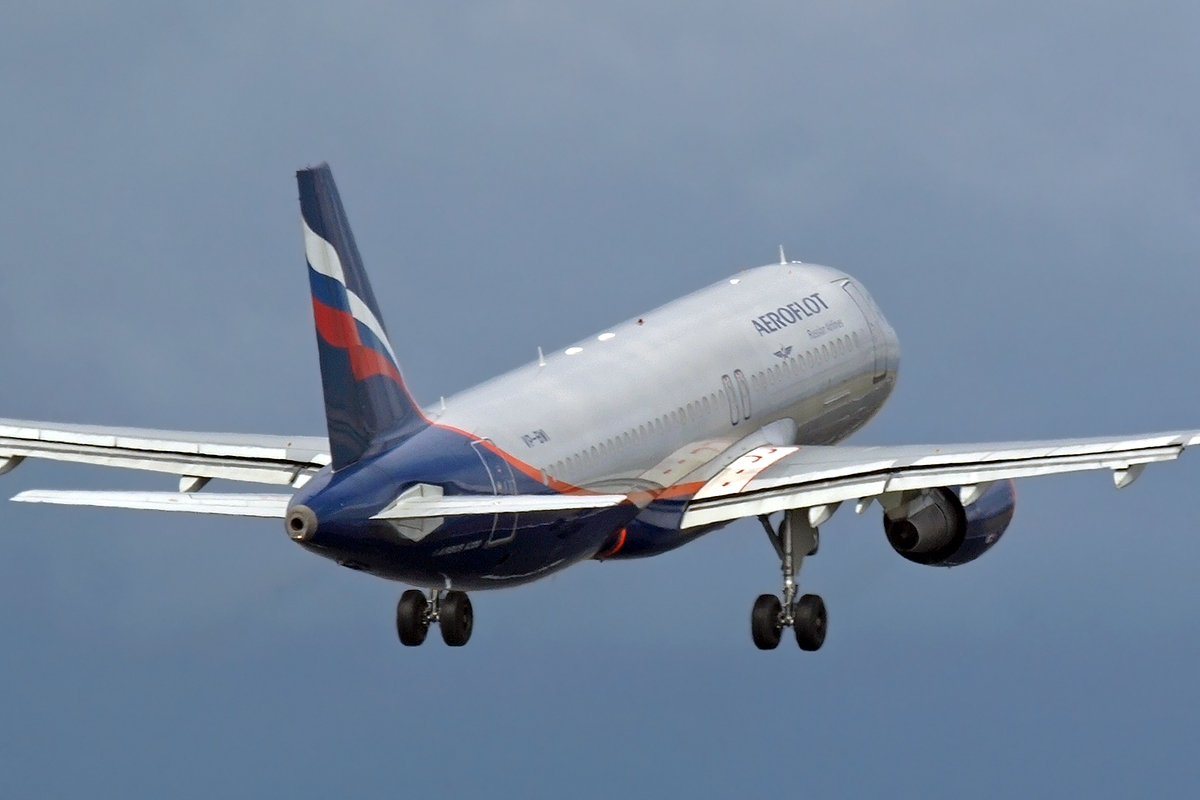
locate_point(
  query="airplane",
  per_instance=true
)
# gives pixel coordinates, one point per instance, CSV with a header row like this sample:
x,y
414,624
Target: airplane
x,y
727,403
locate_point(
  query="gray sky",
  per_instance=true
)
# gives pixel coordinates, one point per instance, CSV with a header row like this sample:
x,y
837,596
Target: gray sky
x,y
1016,185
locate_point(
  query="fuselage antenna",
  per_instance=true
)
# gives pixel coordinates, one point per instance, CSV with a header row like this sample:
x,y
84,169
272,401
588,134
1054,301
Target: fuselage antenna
x,y
782,258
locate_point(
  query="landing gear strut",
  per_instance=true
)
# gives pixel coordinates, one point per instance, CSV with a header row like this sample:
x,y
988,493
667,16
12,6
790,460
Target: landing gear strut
x,y
451,612
795,539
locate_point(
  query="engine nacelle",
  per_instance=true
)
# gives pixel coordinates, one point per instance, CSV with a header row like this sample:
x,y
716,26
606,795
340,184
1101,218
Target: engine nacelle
x,y
933,527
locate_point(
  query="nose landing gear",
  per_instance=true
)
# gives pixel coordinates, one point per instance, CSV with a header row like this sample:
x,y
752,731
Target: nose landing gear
x,y
452,613
806,616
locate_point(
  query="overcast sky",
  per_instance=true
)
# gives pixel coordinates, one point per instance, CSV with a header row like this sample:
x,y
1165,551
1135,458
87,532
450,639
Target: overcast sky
x,y
1018,186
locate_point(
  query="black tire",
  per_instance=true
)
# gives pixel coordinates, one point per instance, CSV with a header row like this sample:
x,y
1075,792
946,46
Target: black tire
x,y
811,622
411,624
456,618
766,626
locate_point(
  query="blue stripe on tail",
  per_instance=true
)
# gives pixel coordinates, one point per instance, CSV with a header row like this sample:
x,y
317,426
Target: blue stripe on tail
x,y
366,401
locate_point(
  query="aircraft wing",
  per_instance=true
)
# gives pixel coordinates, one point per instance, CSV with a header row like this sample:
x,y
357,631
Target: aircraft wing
x,y
199,457
195,457
769,479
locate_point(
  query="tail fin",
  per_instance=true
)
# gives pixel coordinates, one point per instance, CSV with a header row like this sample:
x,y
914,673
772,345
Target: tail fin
x,y
365,397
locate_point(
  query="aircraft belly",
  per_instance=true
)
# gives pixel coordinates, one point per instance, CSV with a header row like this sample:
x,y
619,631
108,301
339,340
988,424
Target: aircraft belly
x,y
459,554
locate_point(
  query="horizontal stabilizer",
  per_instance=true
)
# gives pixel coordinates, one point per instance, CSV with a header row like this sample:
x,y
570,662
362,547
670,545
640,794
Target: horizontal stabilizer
x,y
232,505
471,504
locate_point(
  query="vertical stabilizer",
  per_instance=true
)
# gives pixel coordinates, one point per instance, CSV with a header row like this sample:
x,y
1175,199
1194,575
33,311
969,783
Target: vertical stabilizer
x,y
365,397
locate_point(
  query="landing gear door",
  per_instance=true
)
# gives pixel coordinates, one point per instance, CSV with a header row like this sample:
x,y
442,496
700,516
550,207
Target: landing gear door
x,y
504,526
878,343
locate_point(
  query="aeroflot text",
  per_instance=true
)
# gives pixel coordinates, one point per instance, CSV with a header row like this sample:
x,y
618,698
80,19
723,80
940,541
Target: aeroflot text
x,y
777,320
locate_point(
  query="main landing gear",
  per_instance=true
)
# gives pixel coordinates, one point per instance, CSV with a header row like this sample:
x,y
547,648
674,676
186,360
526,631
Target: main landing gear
x,y
805,616
451,612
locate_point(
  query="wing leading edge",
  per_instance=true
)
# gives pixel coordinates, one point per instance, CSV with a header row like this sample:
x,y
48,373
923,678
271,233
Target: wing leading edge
x,y
770,479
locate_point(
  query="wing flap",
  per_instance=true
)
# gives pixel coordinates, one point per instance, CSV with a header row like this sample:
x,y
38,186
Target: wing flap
x,y
276,460
770,479
233,505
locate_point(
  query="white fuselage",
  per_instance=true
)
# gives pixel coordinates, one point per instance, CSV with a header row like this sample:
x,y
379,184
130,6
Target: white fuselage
x,y
786,341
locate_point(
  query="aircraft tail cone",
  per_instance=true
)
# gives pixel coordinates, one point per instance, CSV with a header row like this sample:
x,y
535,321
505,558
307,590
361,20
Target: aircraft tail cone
x,y
301,523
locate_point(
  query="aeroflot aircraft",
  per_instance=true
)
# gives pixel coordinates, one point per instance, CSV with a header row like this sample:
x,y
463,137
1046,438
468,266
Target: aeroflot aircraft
x,y
725,404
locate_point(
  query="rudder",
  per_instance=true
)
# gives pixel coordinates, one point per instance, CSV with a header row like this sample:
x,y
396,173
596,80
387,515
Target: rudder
x,y
366,400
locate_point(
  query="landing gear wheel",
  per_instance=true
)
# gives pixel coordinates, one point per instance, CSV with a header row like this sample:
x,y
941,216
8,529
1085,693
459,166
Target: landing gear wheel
x,y
766,622
456,619
810,622
412,622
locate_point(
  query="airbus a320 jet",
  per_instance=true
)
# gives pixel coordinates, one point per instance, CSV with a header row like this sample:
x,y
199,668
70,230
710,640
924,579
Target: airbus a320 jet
x,y
727,403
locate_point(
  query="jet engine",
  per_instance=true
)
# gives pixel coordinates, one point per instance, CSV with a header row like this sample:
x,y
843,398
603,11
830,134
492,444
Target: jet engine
x,y
935,527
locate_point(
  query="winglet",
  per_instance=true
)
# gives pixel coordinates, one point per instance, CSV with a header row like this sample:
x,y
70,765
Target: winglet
x,y
366,400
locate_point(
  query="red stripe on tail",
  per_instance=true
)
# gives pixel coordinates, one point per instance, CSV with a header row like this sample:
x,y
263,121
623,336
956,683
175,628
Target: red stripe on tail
x,y
340,329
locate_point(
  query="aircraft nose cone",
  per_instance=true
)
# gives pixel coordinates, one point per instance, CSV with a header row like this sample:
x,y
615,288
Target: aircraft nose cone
x,y
301,523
